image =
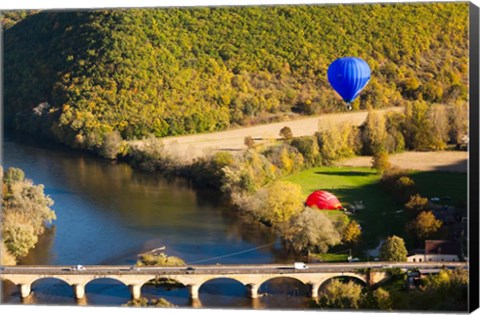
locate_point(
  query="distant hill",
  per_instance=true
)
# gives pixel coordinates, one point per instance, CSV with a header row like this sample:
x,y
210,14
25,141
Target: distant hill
x,y
77,76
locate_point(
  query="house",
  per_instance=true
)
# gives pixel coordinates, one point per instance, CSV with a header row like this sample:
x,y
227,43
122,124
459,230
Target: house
x,y
437,250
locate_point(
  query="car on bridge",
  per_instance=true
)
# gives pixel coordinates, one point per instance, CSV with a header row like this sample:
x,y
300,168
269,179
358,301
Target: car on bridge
x,y
78,268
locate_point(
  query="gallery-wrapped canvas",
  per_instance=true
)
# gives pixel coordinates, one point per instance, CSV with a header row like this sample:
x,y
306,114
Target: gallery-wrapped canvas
x,y
319,156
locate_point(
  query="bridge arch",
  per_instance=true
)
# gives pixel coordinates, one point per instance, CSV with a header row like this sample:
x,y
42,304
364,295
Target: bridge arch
x,y
96,290
223,291
347,276
108,277
51,289
165,279
285,285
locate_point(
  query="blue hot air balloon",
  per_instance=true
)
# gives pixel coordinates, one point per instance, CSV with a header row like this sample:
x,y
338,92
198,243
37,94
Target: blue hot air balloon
x,y
348,76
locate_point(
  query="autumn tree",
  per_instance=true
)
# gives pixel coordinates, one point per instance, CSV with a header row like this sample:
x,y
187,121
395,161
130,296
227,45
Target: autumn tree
x,y
424,225
337,142
393,249
425,126
458,120
416,204
352,232
25,212
276,203
341,295
438,116
374,133
380,161
383,299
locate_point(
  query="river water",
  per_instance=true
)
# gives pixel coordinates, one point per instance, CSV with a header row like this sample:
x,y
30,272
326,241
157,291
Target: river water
x,y
107,213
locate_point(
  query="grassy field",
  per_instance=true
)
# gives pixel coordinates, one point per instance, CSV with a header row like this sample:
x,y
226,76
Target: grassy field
x,y
381,216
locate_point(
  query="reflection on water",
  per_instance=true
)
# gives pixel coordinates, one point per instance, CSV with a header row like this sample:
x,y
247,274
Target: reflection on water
x,y
107,214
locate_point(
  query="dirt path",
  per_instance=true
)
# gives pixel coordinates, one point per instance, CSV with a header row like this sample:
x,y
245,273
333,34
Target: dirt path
x,y
187,148
450,161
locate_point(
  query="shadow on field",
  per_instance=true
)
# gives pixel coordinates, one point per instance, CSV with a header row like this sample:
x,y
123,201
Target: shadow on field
x,y
345,173
460,167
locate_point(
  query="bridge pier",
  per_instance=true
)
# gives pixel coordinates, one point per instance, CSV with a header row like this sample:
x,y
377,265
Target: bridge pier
x,y
25,289
193,289
79,291
253,290
135,291
314,290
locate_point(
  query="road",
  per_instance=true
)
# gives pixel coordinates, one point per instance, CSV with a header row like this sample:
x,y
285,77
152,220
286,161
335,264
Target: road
x,y
229,269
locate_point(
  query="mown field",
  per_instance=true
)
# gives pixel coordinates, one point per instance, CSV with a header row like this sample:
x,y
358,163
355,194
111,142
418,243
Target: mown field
x,y
381,216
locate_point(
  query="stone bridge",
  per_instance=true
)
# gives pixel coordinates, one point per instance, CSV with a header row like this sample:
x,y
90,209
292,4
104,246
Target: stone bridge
x,y
252,276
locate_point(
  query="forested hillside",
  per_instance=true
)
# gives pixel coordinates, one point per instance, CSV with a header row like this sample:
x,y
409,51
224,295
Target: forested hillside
x,y
79,76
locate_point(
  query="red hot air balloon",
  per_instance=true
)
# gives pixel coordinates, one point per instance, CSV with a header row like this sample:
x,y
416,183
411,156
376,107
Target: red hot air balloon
x,y
323,200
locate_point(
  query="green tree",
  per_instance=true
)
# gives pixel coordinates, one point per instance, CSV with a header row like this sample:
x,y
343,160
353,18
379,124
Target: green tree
x,y
311,230
393,249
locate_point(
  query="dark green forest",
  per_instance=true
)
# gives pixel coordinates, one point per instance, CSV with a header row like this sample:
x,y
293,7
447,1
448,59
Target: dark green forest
x,y
79,76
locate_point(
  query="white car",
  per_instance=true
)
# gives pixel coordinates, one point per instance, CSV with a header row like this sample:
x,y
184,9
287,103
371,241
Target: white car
x,y
78,268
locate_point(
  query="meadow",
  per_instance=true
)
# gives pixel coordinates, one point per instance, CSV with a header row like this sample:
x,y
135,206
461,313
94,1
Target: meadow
x,y
382,215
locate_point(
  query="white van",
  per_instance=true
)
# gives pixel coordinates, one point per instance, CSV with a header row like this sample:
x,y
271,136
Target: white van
x,y
299,266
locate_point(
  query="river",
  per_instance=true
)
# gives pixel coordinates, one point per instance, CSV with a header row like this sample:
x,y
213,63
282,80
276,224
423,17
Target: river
x,y
107,213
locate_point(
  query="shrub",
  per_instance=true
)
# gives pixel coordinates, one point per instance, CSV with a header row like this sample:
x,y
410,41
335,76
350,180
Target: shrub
x,y
308,147
286,133
380,161
249,142
111,145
